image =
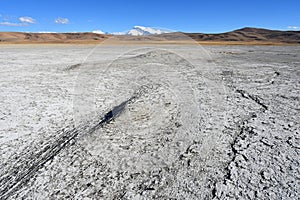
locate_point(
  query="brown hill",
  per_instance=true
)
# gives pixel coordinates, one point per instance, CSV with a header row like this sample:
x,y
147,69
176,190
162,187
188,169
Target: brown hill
x,y
250,35
20,37
240,36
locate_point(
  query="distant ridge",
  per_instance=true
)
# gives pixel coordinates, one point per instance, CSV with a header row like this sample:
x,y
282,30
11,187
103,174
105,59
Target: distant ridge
x,y
21,37
251,36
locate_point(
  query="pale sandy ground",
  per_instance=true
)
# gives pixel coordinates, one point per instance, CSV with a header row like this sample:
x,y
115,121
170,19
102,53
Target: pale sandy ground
x,y
219,122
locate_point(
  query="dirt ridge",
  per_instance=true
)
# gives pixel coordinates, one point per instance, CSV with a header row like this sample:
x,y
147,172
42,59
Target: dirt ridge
x,y
249,36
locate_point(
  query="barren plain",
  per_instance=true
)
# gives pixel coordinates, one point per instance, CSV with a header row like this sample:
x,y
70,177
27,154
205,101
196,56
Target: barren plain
x,y
149,122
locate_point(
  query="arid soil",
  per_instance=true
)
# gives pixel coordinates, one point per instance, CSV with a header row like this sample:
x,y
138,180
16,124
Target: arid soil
x,y
149,122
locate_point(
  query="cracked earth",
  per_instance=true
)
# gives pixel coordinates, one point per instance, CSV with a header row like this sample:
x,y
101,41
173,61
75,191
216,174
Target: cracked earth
x,y
167,122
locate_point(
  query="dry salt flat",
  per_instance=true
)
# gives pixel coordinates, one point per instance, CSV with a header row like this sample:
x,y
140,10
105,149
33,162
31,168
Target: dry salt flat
x,y
149,122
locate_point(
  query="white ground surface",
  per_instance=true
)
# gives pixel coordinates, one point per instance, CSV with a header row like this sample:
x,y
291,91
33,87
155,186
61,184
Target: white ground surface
x,y
201,123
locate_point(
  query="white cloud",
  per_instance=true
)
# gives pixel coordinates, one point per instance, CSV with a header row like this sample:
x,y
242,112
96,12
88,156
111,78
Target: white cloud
x,y
27,20
61,20
98,31
294,27
12,24
23,21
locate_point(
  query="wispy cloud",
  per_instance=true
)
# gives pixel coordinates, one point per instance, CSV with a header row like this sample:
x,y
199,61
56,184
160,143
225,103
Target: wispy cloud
x,y
23,21
61,20
294,27
12,24
28,20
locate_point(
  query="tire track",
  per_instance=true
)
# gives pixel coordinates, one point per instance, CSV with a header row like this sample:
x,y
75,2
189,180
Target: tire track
x,y
26,167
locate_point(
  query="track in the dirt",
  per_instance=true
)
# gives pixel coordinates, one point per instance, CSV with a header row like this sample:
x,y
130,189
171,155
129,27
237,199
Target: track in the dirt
x,y
25,168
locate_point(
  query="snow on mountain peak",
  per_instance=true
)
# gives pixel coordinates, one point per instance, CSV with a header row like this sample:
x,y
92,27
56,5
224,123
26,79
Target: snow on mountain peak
x,y
98,32
141,30
137,31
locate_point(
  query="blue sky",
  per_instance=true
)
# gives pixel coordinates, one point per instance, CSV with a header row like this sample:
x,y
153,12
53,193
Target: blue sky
x,y
114,16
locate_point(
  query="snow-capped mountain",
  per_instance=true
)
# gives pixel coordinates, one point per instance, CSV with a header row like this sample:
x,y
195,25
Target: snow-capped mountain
x,y
98,32
141,30
136,31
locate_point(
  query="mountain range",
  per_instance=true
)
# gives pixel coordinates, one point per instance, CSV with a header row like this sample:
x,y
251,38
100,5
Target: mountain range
x,y
141,30
251,35
139,33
